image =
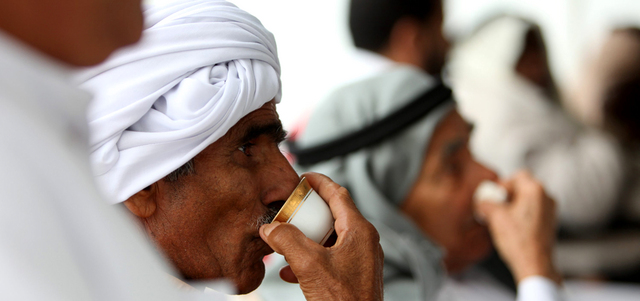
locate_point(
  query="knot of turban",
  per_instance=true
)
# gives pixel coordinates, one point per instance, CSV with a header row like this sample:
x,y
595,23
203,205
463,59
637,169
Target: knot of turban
x,y
199,67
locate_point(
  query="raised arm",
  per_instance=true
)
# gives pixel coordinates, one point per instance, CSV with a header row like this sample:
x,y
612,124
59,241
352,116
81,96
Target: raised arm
x,y
523,231
349,270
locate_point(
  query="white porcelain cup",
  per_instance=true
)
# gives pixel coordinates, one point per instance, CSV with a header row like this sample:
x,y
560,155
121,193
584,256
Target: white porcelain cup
x,y
489,191
306,210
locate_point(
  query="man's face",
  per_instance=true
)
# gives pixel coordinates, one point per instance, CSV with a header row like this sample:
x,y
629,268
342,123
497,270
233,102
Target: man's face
x,y
441,203
434,43
100,27
617,59
78,32
207,223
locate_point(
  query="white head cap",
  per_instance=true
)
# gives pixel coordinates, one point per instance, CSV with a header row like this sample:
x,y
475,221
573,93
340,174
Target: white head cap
x,y
200,67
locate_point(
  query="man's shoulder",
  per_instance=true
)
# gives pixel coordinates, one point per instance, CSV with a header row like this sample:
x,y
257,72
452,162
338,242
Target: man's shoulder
x,y
377,94
354,105
396,78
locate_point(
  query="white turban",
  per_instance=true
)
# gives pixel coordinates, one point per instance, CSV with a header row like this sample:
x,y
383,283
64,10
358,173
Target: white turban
x,y
199,68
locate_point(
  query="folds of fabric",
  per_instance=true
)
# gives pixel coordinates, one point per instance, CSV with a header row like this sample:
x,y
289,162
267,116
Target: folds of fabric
x,y
380,176
200,67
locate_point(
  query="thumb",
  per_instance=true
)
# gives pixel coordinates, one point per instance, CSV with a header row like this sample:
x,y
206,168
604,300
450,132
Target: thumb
x,y
486,209
286,239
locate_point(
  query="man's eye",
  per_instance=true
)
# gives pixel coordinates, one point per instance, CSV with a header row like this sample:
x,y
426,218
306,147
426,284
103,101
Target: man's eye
x,y
454,167
246,148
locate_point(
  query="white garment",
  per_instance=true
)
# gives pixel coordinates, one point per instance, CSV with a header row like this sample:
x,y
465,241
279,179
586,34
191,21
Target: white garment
x,y
517,127
59,239
361,65
200,67
473,284
477,286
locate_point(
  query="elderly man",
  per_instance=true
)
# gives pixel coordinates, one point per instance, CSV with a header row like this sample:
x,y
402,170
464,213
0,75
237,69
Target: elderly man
x,y
509,96
60,241
415,182
185,133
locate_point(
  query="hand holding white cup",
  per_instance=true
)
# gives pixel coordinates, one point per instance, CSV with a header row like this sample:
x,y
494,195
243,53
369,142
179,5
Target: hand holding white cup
x,y
306,210
489,191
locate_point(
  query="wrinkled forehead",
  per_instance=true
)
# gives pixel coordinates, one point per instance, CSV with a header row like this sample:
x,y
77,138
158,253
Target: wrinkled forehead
x,y
452,131
263,121
449,140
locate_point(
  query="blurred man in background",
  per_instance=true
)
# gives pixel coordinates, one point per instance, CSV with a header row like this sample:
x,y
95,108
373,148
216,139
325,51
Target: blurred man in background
x,y
416,185
621,115
59,240
620,74
606,97
503,86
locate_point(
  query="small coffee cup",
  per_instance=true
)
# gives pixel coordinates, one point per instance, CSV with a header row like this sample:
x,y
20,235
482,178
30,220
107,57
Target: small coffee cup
x,y
306,210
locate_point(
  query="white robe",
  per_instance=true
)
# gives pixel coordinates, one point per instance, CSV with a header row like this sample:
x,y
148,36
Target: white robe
x,y
475,285
517,127
472,284
59,239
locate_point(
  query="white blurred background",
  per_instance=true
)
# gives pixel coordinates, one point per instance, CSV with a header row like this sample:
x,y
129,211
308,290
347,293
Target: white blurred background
x,y
314,42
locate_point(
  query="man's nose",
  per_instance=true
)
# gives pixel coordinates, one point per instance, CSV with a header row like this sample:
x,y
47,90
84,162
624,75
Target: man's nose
x,y
281,179
484,173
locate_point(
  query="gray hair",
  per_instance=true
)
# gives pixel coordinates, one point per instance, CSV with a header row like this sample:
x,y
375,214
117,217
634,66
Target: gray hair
x,y
184,170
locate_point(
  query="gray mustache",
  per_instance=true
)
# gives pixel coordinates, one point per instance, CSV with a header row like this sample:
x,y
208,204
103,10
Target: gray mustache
x,y
267,217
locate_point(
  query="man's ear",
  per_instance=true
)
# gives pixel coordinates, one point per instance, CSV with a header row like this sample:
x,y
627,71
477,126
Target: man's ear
x,y
143,204
404,39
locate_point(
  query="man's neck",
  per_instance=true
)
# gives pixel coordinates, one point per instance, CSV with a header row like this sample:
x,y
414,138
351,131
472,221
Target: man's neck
x,y
402,57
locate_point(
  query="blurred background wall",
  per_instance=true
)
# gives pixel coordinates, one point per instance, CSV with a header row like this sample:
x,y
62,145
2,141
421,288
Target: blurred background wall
x,y
314,44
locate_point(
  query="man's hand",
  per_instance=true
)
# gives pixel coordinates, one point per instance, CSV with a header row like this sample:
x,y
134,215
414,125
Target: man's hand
x,y
523,230
349,270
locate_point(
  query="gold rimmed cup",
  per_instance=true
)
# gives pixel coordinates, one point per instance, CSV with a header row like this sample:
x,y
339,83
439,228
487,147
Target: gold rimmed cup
x,y
297,197
306,210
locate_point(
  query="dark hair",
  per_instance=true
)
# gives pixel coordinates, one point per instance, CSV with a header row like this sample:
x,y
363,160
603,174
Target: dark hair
x,y
371,21
622,109
534,44
622,99
632,31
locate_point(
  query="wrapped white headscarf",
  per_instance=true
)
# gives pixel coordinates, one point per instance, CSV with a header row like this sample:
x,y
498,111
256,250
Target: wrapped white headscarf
x,y
200,67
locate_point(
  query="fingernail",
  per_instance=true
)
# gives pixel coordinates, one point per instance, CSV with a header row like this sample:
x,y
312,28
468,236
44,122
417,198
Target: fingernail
x,y
266,229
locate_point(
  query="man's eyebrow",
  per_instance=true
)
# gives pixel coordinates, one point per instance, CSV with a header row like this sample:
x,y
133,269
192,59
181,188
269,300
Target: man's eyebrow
x,y
273,130
452,147
470,126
